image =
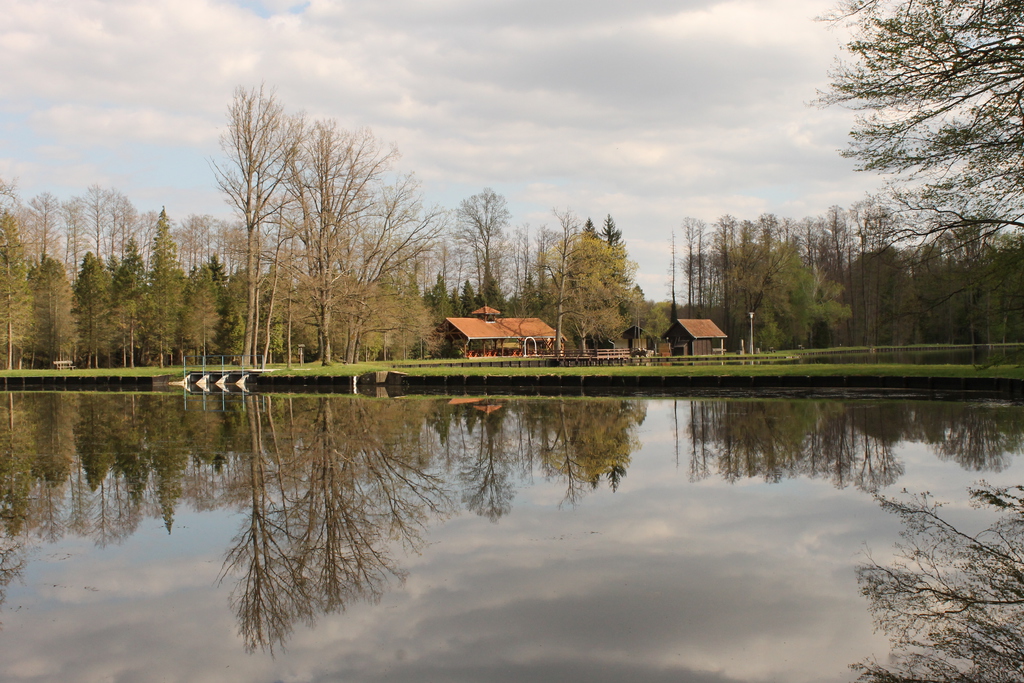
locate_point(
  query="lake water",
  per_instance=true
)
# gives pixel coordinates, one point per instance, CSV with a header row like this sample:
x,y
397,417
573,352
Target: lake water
x,y
341,538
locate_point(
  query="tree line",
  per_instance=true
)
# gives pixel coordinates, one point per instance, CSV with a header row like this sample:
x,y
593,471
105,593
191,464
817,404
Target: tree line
x,y
850,278
332,250
333,255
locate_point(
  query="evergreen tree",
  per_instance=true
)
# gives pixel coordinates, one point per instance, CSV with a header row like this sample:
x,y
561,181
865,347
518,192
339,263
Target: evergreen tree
x,y
455,303
491,295
231,333
14,294
467,300
611,234
201,318
166,286
129,289
589,228
53,333
437,301
92,307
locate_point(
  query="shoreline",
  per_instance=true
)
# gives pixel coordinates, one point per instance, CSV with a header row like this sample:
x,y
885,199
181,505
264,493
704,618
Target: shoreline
x,y
391,383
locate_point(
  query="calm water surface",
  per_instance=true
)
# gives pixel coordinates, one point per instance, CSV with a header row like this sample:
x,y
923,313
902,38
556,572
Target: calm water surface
x,y
339,538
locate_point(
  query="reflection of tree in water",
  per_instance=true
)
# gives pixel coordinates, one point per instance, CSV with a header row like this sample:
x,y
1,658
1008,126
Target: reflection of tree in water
x,y
577,442
489,462
585,442
952,603
979,438
847,443
329,485
12,562
326,498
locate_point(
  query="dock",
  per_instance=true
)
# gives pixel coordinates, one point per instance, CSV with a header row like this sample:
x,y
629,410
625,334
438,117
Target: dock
x,y
223,373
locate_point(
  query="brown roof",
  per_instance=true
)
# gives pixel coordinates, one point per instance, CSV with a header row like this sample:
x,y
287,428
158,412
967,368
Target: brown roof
x,y
701,329
502,328
486,310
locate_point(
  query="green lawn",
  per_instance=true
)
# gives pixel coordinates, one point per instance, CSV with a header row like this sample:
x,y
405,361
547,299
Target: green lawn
x,y
715,368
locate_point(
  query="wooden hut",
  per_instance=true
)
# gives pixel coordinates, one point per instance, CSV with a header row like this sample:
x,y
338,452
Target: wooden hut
x,y
486,334
695,337
635,339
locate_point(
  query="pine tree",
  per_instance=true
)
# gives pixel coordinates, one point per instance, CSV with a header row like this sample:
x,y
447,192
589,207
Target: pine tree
x,y
92,307
52,324
491,294
166,286
14,294
467,300
589,228
611,234
436,300
201,318
129,280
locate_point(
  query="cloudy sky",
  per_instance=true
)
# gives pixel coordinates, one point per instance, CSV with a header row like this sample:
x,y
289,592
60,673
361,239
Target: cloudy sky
x,y
651,110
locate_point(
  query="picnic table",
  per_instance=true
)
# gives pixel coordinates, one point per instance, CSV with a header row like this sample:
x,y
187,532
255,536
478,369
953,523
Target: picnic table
x,y
64,364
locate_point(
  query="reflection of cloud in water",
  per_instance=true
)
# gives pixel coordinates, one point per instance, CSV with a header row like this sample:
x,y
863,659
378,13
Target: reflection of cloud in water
x,y
661,580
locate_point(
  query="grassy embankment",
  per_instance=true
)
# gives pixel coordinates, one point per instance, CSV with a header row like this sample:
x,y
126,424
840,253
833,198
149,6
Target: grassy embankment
x,y
730,365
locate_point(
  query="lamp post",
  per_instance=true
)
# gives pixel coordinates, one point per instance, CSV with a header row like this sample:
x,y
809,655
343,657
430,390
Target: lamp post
x,y
751,314
302,348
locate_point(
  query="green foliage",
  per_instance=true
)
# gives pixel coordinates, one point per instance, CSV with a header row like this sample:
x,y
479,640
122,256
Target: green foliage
x,y
166,284
609,233
437,301
468,300
53,329
939,82
92,307
600,281
129,298
201,313
14,292
231,307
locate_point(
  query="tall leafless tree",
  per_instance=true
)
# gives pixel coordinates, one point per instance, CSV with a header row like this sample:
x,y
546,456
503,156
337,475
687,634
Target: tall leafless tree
x,y
259,143
482,222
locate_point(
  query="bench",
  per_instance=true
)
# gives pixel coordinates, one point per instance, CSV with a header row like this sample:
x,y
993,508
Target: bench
x,y
64,364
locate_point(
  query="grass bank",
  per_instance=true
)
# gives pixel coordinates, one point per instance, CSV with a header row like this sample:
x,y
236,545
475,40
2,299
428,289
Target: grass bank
x,y
723,369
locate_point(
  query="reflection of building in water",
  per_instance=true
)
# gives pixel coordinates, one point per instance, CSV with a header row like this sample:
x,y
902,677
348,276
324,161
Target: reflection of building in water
x,y
329,483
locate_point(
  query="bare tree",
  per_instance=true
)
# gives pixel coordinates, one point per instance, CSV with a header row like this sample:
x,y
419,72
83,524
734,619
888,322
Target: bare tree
x,y
41,226
482,221
195,239
72,214
334,180
558,263
95,203
259,143
395,233
123,221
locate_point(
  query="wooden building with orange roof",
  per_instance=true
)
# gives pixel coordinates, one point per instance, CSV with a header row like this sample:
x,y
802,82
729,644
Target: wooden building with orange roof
x,y
485,334
695,337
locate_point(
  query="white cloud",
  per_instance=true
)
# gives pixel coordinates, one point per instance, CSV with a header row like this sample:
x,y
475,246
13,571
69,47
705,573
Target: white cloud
x,y
650,111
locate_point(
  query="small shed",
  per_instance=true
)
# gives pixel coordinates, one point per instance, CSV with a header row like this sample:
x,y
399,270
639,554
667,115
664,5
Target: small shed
x,y
695,337
636,339
486,334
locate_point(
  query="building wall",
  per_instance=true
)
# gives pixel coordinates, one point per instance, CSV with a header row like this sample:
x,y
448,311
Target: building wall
x,y
702,347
